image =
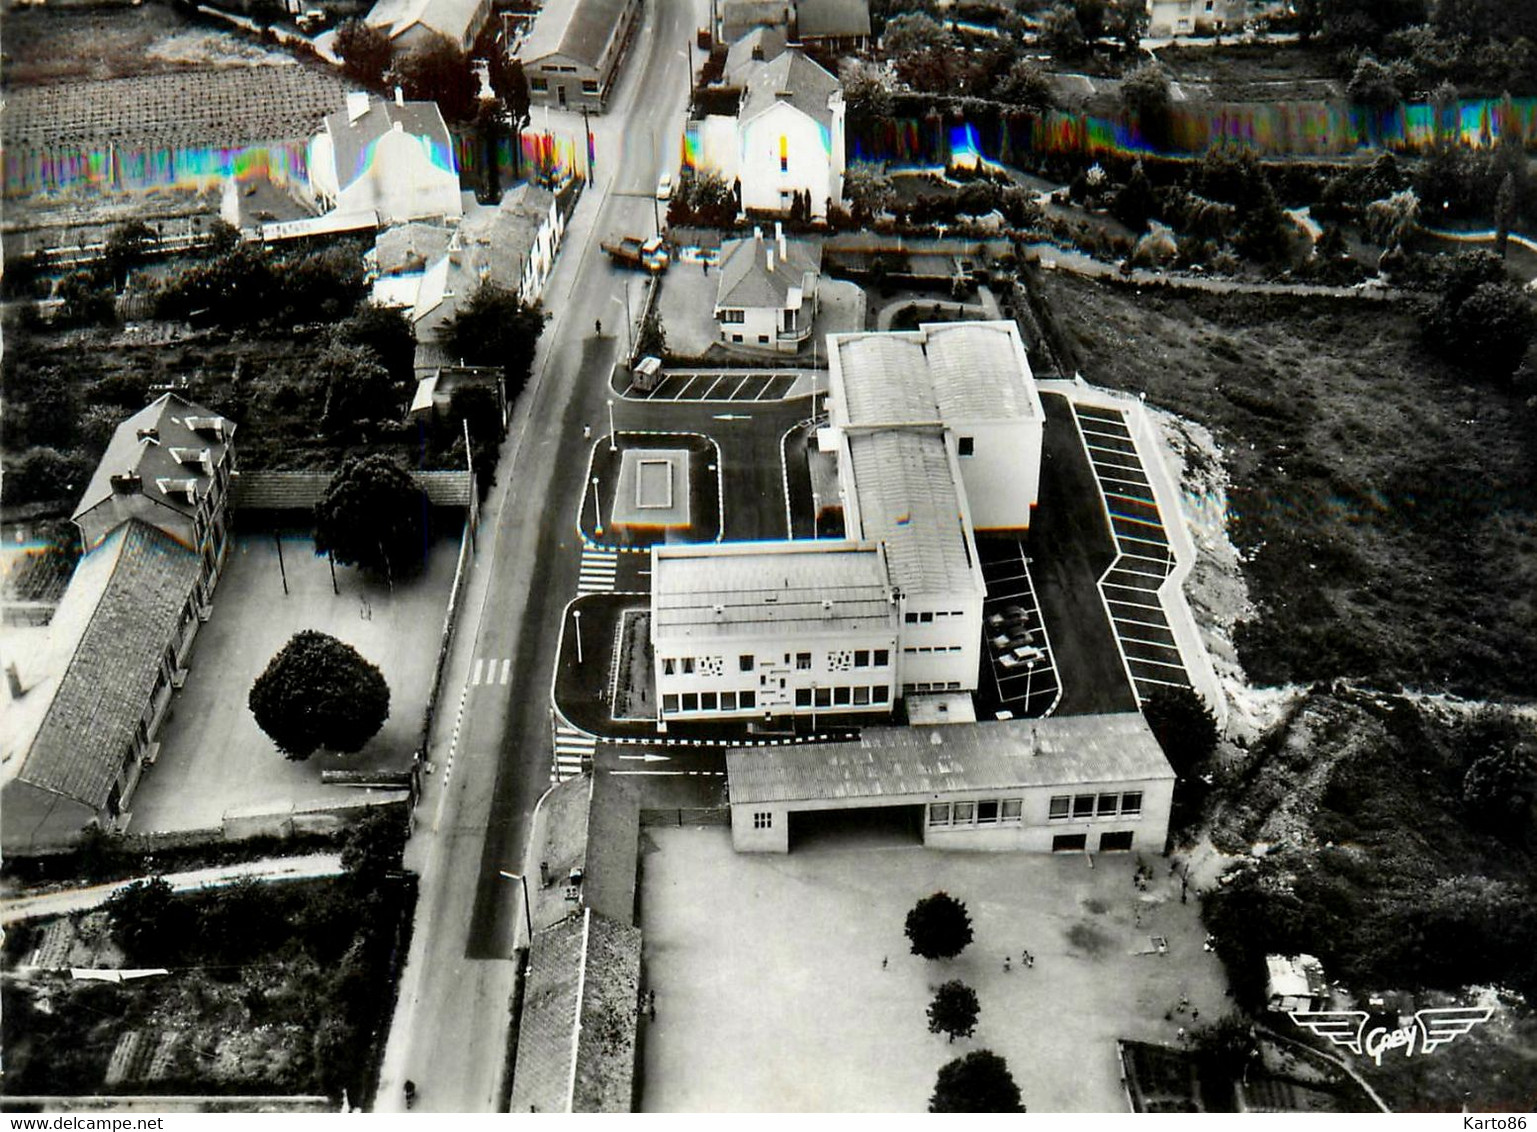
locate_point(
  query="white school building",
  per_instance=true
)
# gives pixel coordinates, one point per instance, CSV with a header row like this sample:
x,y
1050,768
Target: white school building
x,y
936,432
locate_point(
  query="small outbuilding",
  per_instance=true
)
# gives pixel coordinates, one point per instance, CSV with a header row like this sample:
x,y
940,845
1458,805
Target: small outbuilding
x,y
1295,982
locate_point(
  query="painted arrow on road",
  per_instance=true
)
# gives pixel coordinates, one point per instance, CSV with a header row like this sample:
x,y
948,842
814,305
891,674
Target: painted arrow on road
x,y
733,416
647,757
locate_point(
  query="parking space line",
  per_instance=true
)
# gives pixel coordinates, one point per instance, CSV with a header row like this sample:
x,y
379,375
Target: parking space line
x,y
1159,663
1160,683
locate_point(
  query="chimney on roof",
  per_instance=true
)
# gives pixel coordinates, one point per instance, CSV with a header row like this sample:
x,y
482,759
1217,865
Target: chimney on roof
x,y
757,233
150,433
126,483
779,238
757,50
771,259
357,105
13,678
400,97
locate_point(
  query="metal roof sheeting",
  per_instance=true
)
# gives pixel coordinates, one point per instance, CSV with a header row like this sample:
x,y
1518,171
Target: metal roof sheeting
x,y
1080,751
908,500
737,591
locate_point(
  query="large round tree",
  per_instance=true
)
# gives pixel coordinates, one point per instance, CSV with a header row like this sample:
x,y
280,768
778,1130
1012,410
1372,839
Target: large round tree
x,y
372,515
978,1082
939,927
319,692
954,1010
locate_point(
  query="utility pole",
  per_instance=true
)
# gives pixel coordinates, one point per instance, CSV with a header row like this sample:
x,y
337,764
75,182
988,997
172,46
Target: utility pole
x,y
587,141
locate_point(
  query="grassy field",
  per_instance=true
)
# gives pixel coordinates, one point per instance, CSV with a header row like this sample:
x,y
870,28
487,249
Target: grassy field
x,y
1255,72
1385,503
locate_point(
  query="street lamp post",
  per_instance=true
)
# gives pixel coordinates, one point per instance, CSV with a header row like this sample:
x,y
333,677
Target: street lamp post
x,y
597,508
576,615
613,435
1029,672
813,707
816,514
528,918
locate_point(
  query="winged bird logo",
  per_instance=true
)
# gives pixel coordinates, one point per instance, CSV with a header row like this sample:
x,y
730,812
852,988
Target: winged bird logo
x,y
1353,1029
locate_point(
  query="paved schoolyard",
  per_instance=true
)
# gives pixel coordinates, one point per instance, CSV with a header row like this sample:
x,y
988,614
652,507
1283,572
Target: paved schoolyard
x,y
771,995
213,757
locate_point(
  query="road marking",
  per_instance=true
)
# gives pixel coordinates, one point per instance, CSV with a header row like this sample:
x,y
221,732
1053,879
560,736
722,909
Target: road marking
x,y
506,670
647,757
598,571
572,747
475,679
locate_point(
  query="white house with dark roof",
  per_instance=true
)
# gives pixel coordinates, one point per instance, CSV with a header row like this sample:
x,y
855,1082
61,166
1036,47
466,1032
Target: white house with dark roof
x,y
572,52
763,629
86,696
767,295
1084,783
395,159
786,137
412,24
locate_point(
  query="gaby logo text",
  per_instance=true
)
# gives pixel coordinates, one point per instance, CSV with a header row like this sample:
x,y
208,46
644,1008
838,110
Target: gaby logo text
x,y
1357,1031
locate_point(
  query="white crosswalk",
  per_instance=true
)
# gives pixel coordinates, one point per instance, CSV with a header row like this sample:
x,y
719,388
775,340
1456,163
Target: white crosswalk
x,y
599,568
491,670
571,747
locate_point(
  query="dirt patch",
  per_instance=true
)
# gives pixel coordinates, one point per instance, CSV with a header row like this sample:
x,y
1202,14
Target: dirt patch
x,y
1084,937
634,697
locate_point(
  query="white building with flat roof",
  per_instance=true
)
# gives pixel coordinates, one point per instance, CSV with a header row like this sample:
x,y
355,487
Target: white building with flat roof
x,y
1083,783
969,381
936,432
763,629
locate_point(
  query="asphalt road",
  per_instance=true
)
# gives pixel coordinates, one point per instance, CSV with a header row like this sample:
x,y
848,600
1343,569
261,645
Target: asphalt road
x,y
450,1029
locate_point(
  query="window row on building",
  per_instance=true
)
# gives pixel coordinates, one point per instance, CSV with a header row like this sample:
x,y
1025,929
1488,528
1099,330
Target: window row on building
x,y
841,696
931,648
747,662
928,616
1078,807
991,811
932,686
672,703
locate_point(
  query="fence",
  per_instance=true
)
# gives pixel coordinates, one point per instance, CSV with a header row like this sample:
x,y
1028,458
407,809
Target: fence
x,y
677,818
1286,129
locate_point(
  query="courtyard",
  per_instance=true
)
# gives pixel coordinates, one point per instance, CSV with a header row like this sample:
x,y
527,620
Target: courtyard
x,y
785,983
213,758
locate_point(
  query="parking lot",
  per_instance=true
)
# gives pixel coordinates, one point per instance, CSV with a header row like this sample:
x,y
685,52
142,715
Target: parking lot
x,y
1016,643
1143,560
718,385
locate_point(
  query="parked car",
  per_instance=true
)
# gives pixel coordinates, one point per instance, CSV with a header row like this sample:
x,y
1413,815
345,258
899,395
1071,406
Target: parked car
x,y
1009,660
664,187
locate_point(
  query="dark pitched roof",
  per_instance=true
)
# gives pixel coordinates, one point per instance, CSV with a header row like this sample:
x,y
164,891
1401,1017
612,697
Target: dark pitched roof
x,y
832,19
130,591
791,78
300,491
577,29
585,968
738,17
162,444
745,278
351,140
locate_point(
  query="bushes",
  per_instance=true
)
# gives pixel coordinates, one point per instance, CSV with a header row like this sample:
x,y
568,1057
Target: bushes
x,y
249,285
